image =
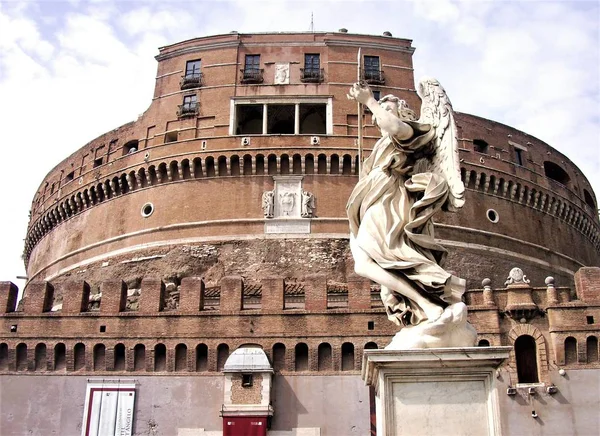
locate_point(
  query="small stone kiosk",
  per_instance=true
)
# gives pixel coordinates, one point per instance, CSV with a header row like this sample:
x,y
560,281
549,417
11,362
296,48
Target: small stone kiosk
x,y
247,406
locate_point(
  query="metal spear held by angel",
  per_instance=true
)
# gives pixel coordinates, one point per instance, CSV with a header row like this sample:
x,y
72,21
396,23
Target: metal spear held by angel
x,y
411,174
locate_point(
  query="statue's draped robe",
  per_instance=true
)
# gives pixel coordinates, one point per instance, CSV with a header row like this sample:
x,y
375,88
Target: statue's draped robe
x,y
390,212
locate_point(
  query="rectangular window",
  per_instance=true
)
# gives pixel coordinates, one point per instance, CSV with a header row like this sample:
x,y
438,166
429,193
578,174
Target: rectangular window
x,y
519,156
313,119
312,62
249,119
70,176
281,119
371,67
252,62
98,162
192,69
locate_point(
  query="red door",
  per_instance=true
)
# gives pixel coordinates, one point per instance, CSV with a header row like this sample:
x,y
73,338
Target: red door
x,y
244,426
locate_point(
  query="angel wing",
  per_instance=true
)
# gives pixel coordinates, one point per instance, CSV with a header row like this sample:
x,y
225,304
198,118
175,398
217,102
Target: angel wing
x,y
436,110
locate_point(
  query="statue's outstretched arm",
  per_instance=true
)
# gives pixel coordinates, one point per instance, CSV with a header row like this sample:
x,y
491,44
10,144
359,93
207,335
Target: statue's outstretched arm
x,y
388,122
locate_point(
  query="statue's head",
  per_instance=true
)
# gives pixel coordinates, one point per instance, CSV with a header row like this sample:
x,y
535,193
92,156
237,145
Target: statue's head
x,y
397,106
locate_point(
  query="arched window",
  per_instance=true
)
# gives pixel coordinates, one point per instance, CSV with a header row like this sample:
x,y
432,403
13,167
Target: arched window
x,y
335,164
21,357
325,361
185,169
119,357
174,170
347,164
526,357
201,357
3,356
247,165
322,164
297,164
40,357
99,357
234,163
480,146
309,164
555,172
301,357
272,164
222,355
181,357
210,166
197,162
278,357
570,350
222,162
130,147
160,358
592,349
589,200
483,343
79,356
347,356
60,357
139,357
260,165
285,164
370,346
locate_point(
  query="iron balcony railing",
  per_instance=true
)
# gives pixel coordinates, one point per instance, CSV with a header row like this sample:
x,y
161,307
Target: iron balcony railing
x,y
374,77
252,75
311,75
188,109
193,80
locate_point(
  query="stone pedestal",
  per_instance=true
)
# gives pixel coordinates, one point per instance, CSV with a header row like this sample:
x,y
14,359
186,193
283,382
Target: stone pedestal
x,y
435,391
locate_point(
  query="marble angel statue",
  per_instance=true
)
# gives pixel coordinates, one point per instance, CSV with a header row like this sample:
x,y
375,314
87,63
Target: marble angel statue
x,y
411,174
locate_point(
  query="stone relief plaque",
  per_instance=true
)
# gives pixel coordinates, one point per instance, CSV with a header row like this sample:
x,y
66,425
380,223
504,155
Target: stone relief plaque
x,y
282,74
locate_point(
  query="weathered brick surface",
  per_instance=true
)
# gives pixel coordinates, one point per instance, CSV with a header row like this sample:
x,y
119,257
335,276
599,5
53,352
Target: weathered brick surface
x,y
152,295
8,297
231,293
587,284
191,294
315,292
76,296
272,293
114,296
39,297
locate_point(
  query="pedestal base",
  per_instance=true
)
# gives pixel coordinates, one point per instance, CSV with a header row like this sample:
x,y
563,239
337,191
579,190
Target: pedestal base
x,y
436,391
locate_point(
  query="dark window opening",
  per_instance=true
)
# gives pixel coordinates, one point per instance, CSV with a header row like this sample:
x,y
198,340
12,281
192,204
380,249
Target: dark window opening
x,y
201,358
160,357
480,146
246,380
252,72
60,357
280,119
192,76
519,156
347,356
249,119
278,357
189,106
301,357
130,147
372,71
312,68
555,172
313,119
102,329
181,357
119,357
3,356
99,356
52,189
589,200
590,319
79,356
222,355
371,325
70,176
98,162
21,357
526,356
13,328
483,343
139,357
325,360
260,165
171,137
592,349
370,346
570,350
40,357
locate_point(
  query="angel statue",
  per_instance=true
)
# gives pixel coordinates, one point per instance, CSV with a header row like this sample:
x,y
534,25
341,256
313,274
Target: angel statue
x,y
412,173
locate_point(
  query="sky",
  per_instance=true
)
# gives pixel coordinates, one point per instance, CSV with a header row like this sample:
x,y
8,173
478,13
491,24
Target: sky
x,y
71,70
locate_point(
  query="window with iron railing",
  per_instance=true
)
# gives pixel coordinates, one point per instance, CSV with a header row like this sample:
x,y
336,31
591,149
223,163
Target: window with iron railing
x,y
312,71
193,76
372,73
189,107
252,72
